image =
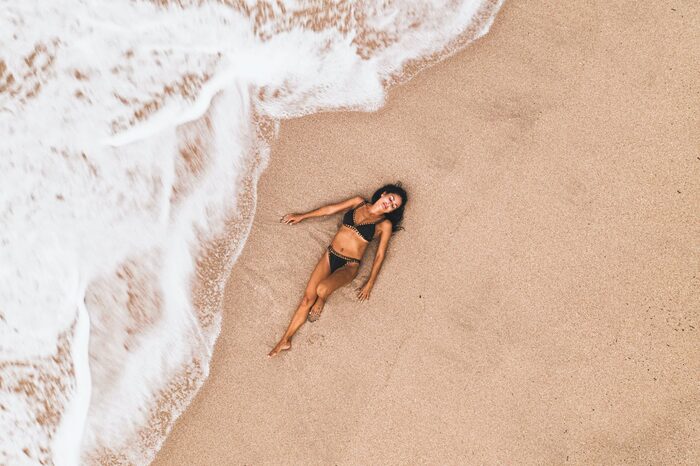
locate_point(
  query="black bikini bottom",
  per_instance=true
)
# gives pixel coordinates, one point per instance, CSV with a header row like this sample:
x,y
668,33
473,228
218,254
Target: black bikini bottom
x,y
337,260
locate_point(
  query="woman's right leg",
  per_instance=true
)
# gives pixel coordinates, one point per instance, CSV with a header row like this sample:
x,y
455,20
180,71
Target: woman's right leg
x,y
321,271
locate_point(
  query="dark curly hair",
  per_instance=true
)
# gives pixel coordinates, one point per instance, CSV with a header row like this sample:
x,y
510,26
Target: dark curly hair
x,y
394,216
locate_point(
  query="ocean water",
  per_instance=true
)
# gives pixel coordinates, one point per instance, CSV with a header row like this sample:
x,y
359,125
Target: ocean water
x,y
132,136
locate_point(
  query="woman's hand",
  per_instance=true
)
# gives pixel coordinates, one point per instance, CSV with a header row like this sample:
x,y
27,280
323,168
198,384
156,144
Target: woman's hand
x,y
363,293
291,219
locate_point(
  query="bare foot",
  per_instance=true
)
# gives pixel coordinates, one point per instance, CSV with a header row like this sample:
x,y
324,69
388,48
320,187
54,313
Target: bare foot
x,y
315,312
281,346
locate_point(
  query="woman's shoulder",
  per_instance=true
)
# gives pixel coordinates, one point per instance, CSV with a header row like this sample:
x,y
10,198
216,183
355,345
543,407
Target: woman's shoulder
x,y
385,224
359,200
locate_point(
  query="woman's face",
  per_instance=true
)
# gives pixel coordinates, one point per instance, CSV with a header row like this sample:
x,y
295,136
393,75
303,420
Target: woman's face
x,y
389,202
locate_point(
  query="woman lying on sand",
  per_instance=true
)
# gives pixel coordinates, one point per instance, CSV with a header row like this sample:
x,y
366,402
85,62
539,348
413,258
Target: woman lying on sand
x,y
340,262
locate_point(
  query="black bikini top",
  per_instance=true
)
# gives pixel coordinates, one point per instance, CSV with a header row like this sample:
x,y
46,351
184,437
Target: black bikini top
x,y
366,230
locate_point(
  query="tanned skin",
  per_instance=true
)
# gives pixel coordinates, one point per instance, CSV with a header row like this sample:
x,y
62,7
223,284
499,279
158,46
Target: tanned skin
x,y
347,242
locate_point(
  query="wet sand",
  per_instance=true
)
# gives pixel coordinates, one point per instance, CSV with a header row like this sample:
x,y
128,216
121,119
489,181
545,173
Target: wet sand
x,y
542,304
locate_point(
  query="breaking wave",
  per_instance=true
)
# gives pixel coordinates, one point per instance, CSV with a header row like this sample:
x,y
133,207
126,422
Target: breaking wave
x,y
132,136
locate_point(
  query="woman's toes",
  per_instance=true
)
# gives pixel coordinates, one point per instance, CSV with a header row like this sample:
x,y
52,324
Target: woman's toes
x,y
313,315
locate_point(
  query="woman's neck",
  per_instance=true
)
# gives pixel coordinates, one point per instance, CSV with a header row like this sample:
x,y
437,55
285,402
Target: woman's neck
x,y
371,211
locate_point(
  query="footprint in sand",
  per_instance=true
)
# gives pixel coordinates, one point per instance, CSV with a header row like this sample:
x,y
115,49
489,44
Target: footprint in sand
x,y
316,339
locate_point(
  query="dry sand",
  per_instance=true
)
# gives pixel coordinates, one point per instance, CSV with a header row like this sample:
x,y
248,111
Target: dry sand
x,y
542,305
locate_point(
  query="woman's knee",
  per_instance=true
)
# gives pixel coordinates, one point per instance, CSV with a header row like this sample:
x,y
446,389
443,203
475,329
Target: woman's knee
x,y
308,299
322,290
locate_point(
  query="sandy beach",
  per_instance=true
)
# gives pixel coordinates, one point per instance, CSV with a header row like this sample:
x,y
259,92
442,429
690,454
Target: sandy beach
x,y
542,305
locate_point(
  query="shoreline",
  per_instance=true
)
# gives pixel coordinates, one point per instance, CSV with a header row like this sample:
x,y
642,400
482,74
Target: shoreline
x,y
539,303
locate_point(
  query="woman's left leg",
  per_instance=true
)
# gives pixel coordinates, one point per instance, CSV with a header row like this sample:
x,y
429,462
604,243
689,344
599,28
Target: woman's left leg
x,y
328,285
321,271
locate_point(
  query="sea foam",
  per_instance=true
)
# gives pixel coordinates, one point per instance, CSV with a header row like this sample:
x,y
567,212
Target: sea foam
x,y
132,136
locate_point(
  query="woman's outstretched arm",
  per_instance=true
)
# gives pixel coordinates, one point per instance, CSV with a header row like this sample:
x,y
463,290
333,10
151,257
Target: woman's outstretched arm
x,y
329,209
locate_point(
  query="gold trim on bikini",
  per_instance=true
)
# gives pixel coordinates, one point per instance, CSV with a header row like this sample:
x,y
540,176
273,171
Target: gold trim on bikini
x,y
336,253
352,227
